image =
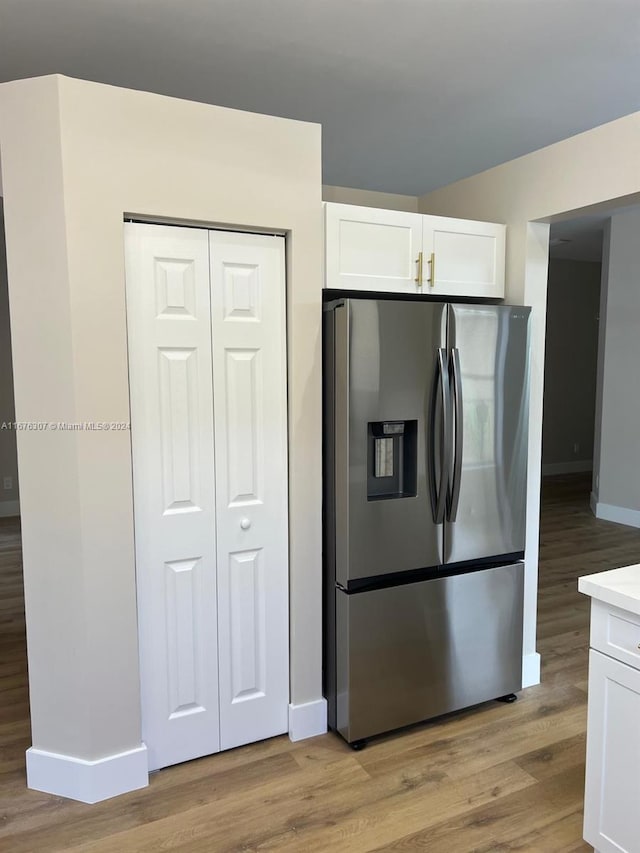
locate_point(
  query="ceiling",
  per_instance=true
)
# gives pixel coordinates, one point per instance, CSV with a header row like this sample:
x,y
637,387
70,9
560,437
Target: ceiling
x,y
578,239
411,94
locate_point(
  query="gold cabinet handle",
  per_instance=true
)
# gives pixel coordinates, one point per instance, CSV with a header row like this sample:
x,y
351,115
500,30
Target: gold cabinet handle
x,y
418,278
432,261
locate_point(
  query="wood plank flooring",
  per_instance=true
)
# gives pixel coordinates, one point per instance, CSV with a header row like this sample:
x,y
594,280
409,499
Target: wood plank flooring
x,y
495,778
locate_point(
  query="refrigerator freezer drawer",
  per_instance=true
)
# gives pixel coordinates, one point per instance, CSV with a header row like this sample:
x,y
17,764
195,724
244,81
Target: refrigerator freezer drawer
x,y
407,653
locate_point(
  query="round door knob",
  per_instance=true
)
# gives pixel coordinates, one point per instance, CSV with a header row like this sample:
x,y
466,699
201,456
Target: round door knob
x,y
245,524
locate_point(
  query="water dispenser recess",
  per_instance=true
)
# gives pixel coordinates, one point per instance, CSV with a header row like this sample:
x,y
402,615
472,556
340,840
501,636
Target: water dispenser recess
x,y
384,457
392,460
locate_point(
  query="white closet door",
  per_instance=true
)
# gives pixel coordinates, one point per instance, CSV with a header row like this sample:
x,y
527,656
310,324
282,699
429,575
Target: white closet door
x,y
249,356
169,327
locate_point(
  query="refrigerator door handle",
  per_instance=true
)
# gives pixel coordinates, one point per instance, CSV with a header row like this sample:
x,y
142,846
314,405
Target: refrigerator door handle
x,y
438,490
456,381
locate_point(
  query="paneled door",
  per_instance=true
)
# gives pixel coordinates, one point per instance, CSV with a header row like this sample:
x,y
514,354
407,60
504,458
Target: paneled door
x,y
208,418
250,413
171,398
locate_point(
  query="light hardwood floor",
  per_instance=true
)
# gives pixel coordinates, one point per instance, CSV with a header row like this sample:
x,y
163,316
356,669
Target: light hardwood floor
x,y
495,778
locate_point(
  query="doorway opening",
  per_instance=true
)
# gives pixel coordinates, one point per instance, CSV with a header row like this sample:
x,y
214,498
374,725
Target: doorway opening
x,y
9,504
591,384
590,295
571,353
13,641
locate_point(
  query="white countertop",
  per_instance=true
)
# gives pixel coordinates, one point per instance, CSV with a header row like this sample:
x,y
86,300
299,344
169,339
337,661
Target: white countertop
x,y
620,587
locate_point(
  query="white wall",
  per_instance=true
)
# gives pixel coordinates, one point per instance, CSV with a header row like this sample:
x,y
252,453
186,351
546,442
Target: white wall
x,y
76,158
370,198
8,455
586,170
617,495
573,304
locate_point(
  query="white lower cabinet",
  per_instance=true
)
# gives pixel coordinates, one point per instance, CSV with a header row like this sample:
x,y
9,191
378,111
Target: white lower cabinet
x,y
207,367
612,785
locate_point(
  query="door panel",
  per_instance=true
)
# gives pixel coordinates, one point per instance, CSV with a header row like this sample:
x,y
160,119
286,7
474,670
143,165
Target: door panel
x,y
178,381
384,375
468,257
243,378
418,650
169,326
492,342
245,582
612,783
369,249
183,588
248,322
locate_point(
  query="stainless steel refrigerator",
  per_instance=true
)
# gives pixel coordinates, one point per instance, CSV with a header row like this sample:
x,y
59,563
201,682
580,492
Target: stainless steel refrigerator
x,y
425,425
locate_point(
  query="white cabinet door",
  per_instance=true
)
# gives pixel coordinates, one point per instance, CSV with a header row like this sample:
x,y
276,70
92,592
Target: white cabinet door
x,y
249,356
370,249
392,251
612,787
463,257
169,327
207,365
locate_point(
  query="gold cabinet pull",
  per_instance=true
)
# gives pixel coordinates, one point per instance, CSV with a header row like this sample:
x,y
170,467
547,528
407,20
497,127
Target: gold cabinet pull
x,y
432,261
418,278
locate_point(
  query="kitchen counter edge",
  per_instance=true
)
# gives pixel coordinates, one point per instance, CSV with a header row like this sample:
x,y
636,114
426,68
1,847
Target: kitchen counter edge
x,y
619,587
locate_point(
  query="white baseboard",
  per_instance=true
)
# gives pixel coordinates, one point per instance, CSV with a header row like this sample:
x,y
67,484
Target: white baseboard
x,y
577,466
308,720
9,508
593,503
87,781
531,670
619,514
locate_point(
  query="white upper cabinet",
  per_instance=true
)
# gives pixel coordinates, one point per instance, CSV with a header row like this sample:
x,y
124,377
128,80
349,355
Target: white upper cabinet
x,y
462,257
396,252
371,249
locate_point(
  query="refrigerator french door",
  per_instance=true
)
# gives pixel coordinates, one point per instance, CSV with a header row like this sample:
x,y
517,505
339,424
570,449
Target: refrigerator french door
x,y
425,410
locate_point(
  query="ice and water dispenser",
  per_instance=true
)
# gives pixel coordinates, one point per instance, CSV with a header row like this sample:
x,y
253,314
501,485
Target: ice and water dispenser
x,y
392,460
